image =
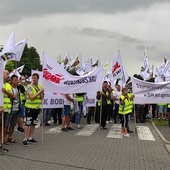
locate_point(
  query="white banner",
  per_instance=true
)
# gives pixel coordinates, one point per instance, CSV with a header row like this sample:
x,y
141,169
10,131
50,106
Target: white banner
x,y
91,99
150,93
53,100
57,79
1,83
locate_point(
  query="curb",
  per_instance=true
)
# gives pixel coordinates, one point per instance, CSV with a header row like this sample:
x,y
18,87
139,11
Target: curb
x,y
159,133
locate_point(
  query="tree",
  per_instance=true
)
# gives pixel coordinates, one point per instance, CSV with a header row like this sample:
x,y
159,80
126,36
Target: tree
x,y
30,59
10,66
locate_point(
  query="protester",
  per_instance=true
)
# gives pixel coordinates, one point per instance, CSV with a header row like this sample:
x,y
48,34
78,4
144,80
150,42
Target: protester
x,y
116,98
22,88
7,96
66,117
79,97
124,110
131,107
35,94
110,106
12,118
46,116
57,112
104,96
162,111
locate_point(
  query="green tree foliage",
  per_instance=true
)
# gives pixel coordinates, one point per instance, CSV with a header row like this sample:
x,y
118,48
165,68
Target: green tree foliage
x,y
31,60
10,66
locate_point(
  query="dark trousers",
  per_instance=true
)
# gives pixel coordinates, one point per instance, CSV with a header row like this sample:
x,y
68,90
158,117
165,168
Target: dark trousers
x,y
109,112
90,114
153,110
104,115
140,110
57,112
125,120
97,114
145,112
116,111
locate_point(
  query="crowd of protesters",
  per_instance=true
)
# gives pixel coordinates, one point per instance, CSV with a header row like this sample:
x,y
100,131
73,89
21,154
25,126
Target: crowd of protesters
x,y
23,104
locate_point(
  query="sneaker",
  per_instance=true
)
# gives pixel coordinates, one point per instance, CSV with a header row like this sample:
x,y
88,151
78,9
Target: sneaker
x,y
127,135
107,122
25,143
70,128
130,131
110,121
64,130
20,130
79,127
32,141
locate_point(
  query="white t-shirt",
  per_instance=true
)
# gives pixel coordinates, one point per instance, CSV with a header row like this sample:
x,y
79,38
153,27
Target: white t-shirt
x,y
66,101
15,106
117,94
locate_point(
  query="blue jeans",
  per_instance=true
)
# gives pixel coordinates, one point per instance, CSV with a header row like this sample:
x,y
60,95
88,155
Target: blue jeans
x,y
79,114
46,115
22,111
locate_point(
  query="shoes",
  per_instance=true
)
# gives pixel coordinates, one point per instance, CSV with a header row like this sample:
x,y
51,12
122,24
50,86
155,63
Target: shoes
x,y
20,130
24,143
32,141
107,122
104,128
110,121
64,129
79,127
130,131
142,121
3,149
70,128
47,124
127,135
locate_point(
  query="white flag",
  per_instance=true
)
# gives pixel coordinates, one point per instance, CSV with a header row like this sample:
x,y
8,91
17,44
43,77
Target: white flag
x,y
117,67
9,51
19,49
57,79
86,68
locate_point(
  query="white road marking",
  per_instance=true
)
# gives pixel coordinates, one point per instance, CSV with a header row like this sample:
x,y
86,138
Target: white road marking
x,y
144,133
115,131
55,130
87,130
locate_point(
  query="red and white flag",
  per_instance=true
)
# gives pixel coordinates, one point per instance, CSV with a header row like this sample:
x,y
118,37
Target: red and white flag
x,y
117,67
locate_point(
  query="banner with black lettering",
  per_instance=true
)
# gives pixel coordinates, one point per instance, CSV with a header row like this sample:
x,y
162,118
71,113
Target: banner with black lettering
x,y
57,79
91,99
53,100
150,93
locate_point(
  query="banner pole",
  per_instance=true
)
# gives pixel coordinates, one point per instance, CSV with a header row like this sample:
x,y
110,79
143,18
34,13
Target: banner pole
x,y
135,128
42,128
100,112
2,133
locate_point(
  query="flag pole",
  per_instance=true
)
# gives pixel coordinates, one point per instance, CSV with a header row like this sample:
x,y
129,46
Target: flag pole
x,y
134,114
100,112
2,133
42,128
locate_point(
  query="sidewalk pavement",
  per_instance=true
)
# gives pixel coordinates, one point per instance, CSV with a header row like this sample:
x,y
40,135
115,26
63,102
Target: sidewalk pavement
x,y
67,151
165,130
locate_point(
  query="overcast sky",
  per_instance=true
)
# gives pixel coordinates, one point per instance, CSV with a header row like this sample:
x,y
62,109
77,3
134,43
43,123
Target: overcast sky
x,y
95,28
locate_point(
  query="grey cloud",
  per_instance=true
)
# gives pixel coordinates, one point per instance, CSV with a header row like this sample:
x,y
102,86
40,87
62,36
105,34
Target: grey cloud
x,y
142,47
13,11
101,33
